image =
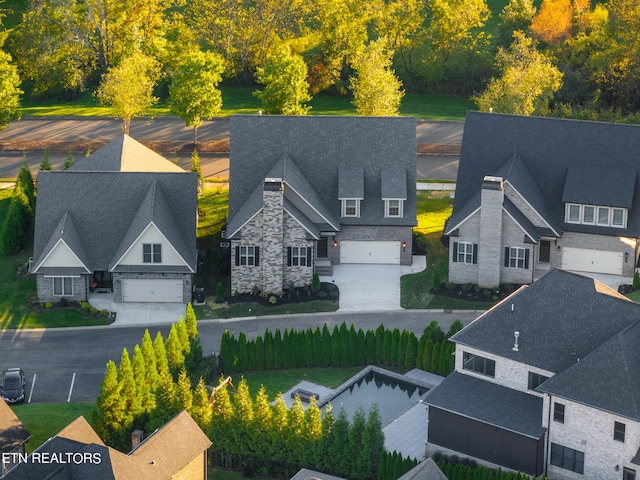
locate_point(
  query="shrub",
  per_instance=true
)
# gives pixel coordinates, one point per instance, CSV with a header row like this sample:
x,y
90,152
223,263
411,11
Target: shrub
x,y
48,305
219,292
636,281
315,283
273,300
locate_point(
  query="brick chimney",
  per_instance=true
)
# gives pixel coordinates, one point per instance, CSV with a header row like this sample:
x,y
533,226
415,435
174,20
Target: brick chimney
x,y
490,245
136,438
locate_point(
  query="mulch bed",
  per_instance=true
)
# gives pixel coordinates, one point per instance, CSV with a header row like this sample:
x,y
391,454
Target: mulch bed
x,y
328,291
473,293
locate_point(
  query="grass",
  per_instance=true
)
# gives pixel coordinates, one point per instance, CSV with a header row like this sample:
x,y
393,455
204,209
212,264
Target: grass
x,y
240,100
44,420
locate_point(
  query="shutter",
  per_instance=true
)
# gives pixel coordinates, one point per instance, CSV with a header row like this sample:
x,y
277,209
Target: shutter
x,y
237,255
309,253
506,256
526,259
257,250
475,253
455,251
288,256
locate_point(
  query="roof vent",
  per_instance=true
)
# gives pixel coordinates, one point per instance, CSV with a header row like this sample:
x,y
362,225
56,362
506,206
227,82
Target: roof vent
x,y
515,345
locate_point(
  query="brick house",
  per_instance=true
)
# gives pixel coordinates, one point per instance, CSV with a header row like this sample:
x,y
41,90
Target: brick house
x,y
546,383
307,193
535,193
121,221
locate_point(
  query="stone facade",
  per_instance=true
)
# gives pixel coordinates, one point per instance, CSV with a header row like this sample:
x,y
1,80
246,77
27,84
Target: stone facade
x,y
590,431
80,288
492,197
187,283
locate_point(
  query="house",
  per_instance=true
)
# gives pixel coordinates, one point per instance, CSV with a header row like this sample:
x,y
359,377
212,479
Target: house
x,y
425,470
177,450
13,437
546,383
535,194
121,221
310,192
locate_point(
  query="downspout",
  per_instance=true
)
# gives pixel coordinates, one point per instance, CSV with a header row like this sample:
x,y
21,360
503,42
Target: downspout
x,y
548,442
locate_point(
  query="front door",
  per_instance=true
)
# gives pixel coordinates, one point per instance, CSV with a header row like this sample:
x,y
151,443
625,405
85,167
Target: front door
x,y
545,250
323,247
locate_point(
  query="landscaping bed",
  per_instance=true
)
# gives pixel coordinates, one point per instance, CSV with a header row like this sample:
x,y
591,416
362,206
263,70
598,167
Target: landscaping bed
x,y
327,291
473,293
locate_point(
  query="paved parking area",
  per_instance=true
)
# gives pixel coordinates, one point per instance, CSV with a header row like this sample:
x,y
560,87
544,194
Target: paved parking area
x,y
371,288
51,386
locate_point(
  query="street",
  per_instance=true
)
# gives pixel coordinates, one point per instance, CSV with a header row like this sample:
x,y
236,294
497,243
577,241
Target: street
x,y
68,364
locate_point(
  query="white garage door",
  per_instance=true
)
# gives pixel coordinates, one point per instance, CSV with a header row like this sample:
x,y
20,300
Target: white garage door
x,y
370,252
152,290
595,261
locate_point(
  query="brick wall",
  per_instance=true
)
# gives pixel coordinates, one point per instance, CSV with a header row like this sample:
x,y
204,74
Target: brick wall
x,y
599,242
45,289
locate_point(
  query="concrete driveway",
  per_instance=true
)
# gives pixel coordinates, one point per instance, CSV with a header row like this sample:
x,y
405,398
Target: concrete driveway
x,y
371,288
139,313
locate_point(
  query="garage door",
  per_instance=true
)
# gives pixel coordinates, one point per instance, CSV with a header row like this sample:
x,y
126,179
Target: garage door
x,y
152,290
595,261
370,252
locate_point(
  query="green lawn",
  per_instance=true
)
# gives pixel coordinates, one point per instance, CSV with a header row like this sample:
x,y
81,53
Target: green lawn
x,y
240,100
44,420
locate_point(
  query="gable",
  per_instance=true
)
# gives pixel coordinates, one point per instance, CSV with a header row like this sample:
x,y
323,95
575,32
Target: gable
x,y
151,235
61,255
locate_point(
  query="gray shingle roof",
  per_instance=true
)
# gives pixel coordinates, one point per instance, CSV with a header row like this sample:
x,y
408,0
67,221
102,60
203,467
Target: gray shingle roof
x,y
319,146
489,403
548,147
607,378
104,205
561,319
616,192
425,470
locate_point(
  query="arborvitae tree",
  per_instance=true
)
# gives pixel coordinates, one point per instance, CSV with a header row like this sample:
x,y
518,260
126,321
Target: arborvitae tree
x,y
308,348
13,235
146,397
353,346
356,433
25,181
150,369
193,361
402,349
269,363
395,344
317,348
433,332
243,418
322,460
311,431
127,381
46,163
361,348
191,322
258,363
335,346
185,342
262,413
339,450
420,352
386,347
184,395
175,355
382,463
372,442
165,402
111,411
242,354
369,347
293,349
222,416
228,351
428,352
456,326
379,347
285,356
411,351
295,442
68,163
251,354
397,466
344,345
162,363
200,409
326,346
279,428
435,357
277,349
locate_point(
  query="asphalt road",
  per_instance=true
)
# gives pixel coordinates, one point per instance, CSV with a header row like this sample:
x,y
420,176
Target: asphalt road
x,y
170,135
68,364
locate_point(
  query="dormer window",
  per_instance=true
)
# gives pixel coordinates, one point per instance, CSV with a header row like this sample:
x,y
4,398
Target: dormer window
x,y
596,215
393,207
351,207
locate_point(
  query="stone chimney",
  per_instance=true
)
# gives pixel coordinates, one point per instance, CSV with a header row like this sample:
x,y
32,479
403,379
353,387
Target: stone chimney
x,y
490,245
272,252
136,438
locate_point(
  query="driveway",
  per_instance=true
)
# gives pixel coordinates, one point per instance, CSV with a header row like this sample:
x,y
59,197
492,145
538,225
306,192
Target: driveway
x,y
139,313
371,288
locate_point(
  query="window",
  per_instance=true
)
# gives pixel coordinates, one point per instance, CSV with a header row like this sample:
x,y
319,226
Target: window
x,y
297,256
573,213
63,286
246,255
617,217
588,214
393,208
603,216
558,412
535,380
567,458
628,474
350,207
516,257
596,215
618,431
478,364
152,253
465,252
